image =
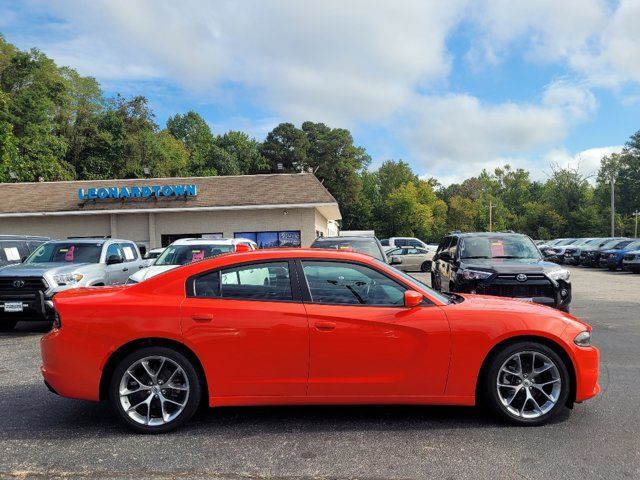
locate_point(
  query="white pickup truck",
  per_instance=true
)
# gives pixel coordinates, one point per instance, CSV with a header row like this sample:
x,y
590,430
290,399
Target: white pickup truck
x,y
26,289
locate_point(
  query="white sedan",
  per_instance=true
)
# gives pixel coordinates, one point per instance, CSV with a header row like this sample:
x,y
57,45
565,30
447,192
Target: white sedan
x,y
413,259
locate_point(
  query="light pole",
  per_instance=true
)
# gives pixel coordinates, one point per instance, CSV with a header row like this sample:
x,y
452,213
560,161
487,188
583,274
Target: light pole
x,y
613,204
635,214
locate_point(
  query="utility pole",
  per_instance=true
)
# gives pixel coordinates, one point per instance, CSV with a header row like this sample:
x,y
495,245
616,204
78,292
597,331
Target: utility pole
x,y
491,205
635,214
613,204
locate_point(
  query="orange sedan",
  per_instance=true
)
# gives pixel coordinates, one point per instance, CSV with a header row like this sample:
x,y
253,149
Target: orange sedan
x,y
297,326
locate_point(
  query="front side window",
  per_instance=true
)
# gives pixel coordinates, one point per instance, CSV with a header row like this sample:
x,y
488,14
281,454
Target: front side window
x,y
114,250
351,284
260,281
66,252
401,242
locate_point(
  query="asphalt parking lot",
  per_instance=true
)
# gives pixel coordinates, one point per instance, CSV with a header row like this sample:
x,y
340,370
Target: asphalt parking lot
x,y
46,436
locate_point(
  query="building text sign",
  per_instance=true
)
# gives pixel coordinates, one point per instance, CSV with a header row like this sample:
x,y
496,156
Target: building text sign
x,y
103,193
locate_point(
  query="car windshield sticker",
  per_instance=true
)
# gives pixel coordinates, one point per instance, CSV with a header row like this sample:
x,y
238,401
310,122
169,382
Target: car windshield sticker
x,y
197,255
128,253
68,257
12,254
497,248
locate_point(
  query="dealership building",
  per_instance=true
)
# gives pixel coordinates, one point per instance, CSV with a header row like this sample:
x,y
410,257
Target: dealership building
x,y
274,210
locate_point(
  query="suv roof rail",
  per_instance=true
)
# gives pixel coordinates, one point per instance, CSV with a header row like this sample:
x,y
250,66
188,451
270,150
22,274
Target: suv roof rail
x,y
89,237
454,231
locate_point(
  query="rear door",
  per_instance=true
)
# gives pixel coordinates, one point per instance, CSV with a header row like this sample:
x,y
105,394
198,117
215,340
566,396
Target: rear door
x,y
250,330
132,260
364,342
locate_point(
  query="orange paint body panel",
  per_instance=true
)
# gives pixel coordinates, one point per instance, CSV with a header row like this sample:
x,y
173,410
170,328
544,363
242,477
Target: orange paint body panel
x,y
255,352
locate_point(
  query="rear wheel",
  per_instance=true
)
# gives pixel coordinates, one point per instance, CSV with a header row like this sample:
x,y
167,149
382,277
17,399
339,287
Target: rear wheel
x,y
155,389
7,325
527,383
426,266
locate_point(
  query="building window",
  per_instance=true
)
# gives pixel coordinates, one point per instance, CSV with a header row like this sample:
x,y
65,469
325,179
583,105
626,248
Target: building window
x,y
168,239
272,239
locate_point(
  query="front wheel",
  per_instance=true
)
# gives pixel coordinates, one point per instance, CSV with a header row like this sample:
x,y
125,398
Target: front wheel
x,y
155,389
527,383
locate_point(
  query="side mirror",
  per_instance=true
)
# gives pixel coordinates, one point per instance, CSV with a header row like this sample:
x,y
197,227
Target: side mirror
x,y
113,259
412,298
395,260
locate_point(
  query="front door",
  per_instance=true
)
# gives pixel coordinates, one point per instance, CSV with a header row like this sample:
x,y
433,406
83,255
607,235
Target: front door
x,y
117,273
250,330
364,341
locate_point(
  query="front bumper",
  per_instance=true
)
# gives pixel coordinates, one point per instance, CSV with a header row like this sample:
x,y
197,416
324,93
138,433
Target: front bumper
x,y
538,288
586,362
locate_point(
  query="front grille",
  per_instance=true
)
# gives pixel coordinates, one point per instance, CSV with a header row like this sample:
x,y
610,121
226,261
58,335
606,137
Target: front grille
x,y
31,288
506,285
630,257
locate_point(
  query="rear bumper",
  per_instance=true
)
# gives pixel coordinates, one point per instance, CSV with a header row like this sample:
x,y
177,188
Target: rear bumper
x,y
69,367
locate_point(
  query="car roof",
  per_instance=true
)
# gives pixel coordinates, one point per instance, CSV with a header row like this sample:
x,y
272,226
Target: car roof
x,y
23,237
486,234
211,241
352,238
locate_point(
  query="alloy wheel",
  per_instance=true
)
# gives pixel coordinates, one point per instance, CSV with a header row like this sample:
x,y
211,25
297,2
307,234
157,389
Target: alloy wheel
x,y
154,390
528,384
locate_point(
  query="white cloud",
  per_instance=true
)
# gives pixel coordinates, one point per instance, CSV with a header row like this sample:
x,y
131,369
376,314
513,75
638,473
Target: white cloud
x,y
587,161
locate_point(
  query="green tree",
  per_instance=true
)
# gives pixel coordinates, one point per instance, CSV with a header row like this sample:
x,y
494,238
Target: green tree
x,y
245,152
286,145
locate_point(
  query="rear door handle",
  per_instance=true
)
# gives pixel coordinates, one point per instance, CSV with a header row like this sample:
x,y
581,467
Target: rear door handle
x,y
205,317
325,326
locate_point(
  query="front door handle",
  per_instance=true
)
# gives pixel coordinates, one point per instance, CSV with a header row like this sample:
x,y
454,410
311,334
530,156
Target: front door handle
x,y
325,326
125,269
204,317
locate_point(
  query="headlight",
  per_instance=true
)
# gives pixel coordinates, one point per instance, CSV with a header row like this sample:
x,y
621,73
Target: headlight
x,y
612,255
469,274
68,278
560,274
583,339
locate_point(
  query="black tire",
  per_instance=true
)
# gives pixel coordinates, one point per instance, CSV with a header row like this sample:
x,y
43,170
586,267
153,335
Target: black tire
x,y
426,266
193,397
613,269
7,325
489,390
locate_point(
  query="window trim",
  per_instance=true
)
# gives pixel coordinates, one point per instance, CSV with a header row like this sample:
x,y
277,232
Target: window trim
x,y
306,292
296,296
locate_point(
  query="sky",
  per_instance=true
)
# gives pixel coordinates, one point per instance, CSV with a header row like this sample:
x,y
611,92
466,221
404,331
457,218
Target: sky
x,y
451,87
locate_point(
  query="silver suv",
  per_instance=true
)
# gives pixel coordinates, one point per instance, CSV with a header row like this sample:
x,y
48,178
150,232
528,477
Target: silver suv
x,y
26,289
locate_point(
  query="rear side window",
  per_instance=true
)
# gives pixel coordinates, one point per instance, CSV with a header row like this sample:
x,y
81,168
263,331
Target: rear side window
x,y
129,252
13,252
401,242
340,283
260,281
384,242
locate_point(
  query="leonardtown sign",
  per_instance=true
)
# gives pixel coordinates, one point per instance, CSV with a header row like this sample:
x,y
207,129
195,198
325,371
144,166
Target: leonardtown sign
x,y
103,193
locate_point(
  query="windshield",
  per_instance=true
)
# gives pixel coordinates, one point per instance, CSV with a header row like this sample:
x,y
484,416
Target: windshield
x,y
183,254
443,298
497,246
633,246
621,245
66,252
366,246
611,244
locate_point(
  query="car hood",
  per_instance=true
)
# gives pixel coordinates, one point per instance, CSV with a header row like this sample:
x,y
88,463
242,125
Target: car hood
x,y
511,265
152,271
39,269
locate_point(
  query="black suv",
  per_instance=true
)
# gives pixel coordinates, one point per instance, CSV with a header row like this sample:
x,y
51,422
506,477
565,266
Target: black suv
x,y
15,248
503,264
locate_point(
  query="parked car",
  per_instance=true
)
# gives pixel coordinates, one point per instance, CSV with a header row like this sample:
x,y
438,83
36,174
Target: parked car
x,y
503,264
367,245
188,250
27,289
631,261
612,258
412,259
590,257
572,252
395,242
151,256
310,326
557,252
16,248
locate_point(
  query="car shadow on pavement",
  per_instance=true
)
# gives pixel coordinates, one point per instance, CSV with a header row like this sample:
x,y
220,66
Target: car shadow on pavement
x,y
27,328
40,414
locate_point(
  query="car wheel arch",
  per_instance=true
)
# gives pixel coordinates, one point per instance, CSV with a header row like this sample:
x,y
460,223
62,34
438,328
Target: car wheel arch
x,y
555,346
116,356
